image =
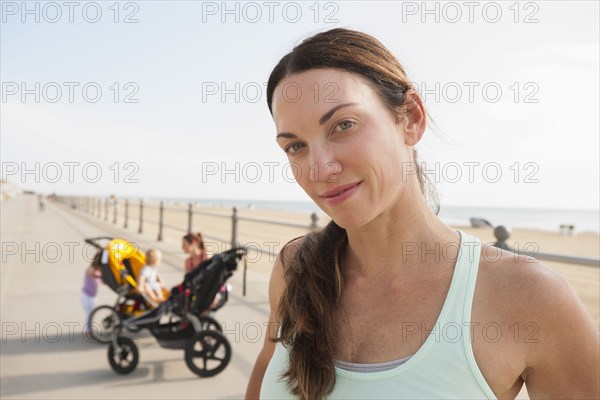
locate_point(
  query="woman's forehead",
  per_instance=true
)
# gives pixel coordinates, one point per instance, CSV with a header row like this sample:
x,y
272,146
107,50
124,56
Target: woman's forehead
x,y
317,90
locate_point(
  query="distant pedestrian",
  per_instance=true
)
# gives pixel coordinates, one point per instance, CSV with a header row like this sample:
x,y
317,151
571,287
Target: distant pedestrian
x,y
41,202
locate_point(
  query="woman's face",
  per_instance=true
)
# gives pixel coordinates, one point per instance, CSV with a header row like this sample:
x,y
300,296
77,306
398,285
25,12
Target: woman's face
x,y
344,145
186,246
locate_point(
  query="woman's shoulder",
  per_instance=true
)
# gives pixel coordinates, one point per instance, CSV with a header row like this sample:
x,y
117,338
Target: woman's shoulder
x,y
564,341
289,250
525,284
283,260
545,319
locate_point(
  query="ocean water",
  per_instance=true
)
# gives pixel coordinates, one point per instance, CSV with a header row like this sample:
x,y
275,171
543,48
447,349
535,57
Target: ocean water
x,y
544,219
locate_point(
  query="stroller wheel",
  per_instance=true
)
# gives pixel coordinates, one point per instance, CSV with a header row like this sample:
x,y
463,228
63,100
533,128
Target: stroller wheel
x,y
102,323
209,324
124,359
207,353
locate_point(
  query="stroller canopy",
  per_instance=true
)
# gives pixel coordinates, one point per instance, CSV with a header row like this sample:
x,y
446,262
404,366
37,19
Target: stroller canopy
x,y
123,256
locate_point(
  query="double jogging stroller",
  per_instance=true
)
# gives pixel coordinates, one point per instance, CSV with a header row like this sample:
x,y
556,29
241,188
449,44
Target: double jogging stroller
x,y
181,321
120,264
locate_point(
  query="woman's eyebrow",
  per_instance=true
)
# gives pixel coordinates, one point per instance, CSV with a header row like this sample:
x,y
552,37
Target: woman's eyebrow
x,y
326,117
330,113
286,135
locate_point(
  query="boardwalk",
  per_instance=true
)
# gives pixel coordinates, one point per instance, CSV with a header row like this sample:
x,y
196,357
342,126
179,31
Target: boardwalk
x,y
44,355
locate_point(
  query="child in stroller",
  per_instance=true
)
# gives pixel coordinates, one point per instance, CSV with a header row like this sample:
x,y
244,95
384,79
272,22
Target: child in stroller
x,y
151,283
120,265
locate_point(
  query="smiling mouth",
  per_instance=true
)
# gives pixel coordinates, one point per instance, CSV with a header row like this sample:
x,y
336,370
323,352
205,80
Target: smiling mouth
x,y
338,191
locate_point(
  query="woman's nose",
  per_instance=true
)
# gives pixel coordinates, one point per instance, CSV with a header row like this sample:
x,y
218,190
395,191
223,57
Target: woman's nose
x,y
324,166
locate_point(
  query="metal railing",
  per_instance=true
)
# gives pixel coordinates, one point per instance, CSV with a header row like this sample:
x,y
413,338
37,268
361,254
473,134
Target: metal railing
x,y
100,207
108,207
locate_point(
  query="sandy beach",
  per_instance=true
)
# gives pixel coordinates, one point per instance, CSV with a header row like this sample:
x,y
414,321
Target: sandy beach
x,y
264,239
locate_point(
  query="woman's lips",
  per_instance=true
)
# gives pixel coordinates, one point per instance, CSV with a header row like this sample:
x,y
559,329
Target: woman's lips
x,y
341,193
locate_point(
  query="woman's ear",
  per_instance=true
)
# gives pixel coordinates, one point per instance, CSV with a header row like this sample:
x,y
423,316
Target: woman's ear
x,y
415,120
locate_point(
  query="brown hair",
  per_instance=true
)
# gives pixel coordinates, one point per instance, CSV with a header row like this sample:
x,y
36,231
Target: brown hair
x,y
97,260
313,275
195,237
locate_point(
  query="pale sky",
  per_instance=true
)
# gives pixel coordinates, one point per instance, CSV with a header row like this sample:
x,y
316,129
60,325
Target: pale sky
x,y
513,87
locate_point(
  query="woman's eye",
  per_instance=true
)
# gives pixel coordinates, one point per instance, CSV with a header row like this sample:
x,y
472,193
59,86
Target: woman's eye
x,y
294,147
345,124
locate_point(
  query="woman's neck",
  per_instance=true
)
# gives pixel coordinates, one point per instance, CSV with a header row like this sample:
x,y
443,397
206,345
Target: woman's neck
x,y
195,252
401,241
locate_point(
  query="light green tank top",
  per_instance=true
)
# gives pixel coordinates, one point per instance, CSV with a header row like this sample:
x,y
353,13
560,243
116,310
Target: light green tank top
x,y
443,368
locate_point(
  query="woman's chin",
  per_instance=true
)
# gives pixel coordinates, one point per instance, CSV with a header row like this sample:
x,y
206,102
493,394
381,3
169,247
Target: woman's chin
x,y
347,219
344,217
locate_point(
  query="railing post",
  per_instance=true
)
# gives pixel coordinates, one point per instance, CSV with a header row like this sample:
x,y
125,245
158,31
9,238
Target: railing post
x,y
502,234
106,209
126,212
98,208
115,202
160,221
141,215
313,224
234,222
190,214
